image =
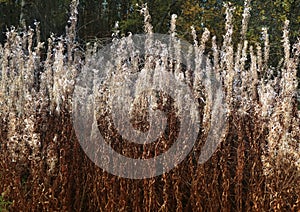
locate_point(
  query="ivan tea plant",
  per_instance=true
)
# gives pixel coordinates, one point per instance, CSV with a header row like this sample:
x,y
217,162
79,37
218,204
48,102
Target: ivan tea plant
x,y
256,166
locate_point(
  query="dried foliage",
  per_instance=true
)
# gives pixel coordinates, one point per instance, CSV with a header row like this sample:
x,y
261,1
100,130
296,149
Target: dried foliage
x,y
256,167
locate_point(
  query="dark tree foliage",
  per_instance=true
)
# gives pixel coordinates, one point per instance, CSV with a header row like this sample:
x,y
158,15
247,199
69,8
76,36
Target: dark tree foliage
x,y
97,18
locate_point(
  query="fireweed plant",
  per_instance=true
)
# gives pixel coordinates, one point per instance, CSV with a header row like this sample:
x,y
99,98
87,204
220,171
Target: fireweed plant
x,y
255,167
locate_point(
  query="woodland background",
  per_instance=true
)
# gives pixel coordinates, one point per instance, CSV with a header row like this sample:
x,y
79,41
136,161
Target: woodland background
x,y
97,18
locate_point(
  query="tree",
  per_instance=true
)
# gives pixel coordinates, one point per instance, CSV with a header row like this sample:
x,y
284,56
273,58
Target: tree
x,y
160,11
270,14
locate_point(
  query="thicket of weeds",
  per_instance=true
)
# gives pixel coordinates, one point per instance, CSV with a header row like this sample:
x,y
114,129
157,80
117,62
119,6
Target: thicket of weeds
x,y
255,168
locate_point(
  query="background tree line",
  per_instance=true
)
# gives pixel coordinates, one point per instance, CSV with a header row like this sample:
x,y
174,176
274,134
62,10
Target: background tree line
x,y
97,18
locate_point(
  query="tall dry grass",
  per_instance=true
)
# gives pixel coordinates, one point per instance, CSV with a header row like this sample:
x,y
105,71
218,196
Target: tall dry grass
x,y
255,168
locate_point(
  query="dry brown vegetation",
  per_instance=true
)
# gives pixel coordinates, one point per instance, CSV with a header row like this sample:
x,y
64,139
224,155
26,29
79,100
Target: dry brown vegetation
x,y
43,168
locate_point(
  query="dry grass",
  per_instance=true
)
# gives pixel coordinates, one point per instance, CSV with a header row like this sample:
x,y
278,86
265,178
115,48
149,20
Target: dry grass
x,y
43,168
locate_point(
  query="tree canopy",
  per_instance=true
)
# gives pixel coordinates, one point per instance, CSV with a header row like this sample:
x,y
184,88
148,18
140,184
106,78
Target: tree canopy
x,y
97,18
